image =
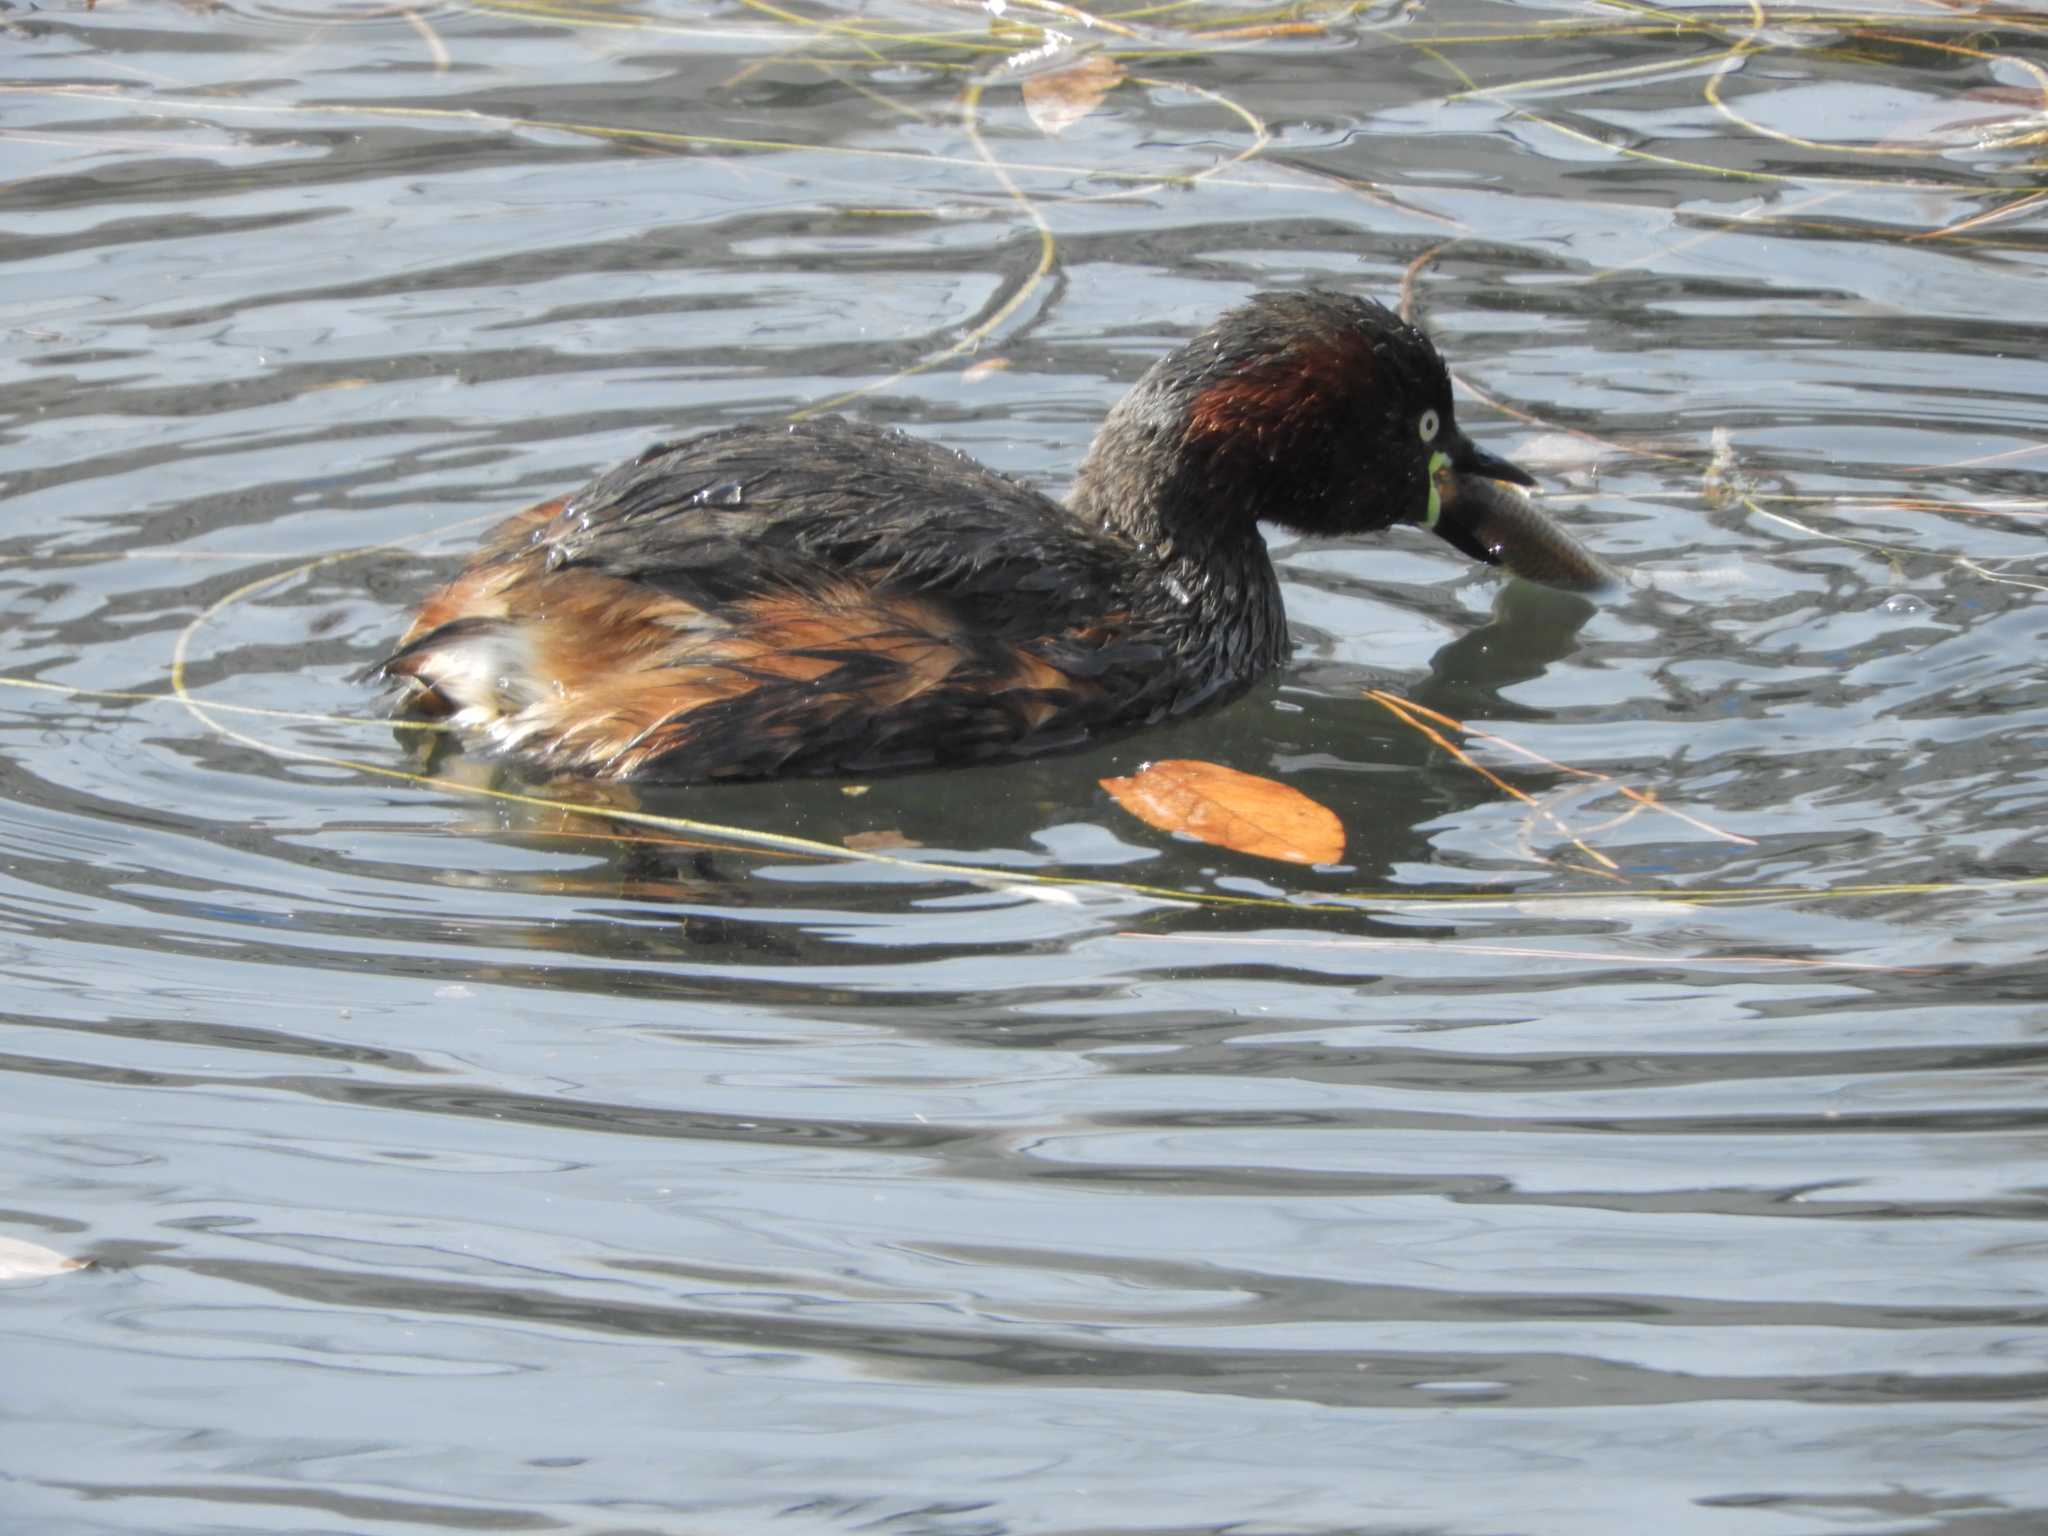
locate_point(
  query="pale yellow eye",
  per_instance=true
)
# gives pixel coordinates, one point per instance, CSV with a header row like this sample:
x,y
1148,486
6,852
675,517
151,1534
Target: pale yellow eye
x,y
1427,426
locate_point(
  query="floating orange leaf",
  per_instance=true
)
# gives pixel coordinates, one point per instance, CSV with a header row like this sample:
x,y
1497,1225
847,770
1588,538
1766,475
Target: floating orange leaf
x,y
883,841
1058,100
1240,811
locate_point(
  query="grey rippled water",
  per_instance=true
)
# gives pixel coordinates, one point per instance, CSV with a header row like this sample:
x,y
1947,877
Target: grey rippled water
x,y
1662,1145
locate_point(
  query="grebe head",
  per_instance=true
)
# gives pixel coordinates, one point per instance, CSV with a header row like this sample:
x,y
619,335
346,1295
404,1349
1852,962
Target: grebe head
x,y
1326,414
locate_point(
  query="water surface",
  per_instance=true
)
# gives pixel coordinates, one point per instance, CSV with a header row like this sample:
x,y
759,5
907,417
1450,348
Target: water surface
x,y
457,1160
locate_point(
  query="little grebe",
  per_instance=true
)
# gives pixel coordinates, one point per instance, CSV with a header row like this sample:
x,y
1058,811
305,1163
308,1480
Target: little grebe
x,y
830,598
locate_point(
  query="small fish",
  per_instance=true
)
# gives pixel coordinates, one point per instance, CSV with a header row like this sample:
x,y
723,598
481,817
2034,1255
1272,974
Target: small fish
x,y
1513,532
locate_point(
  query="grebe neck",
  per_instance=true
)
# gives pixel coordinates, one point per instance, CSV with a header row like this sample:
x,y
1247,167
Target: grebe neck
x,y
1208,572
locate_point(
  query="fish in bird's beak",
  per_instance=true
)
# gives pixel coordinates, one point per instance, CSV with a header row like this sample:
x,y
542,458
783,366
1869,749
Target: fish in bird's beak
x,y
1472,511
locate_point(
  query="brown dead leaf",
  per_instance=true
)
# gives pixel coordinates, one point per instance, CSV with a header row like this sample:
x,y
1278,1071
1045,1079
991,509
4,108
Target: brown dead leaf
x,y
884,841
1058,100
32,1261
1240,811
